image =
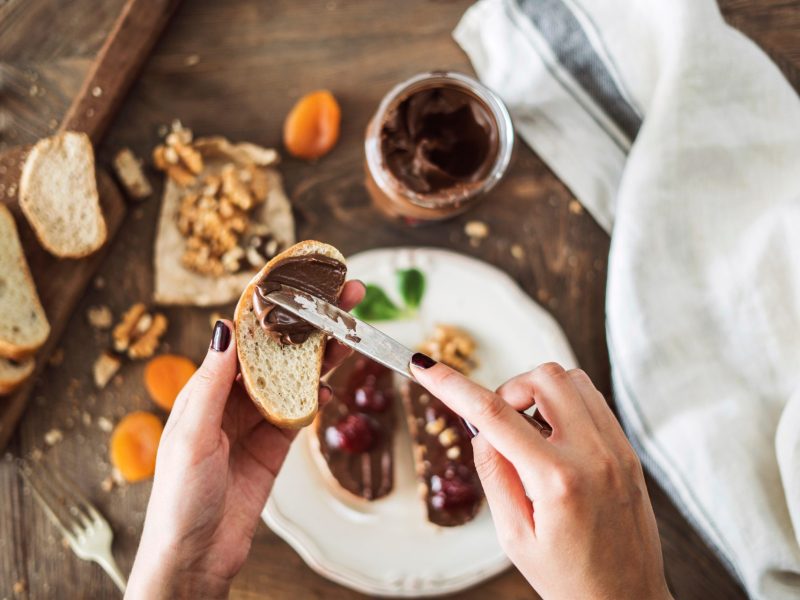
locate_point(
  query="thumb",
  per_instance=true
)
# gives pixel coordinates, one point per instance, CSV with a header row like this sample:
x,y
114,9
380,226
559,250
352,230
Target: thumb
x,y
203,399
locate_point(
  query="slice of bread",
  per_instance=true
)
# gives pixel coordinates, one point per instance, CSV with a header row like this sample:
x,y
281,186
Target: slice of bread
x,y
282,380
23,323
13,373
58,195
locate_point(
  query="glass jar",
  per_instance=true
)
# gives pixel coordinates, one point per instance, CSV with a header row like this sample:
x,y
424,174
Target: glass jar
x,y
437,143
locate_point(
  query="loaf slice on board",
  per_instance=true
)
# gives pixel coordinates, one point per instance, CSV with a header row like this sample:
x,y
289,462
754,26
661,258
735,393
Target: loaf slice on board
x,y
282,380
13,373
58,195
23,324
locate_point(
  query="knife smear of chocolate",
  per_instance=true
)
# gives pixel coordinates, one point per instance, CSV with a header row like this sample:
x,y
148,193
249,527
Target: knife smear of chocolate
x,y
315,274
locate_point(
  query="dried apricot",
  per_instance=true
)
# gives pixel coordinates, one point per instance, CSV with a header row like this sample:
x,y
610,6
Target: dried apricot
x,y
311,128
165,376
134,445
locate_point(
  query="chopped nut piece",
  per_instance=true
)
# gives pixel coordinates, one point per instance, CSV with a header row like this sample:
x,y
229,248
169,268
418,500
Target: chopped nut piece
x,y
476,229
105,367
189,157
100,317
435,427
36,455
575,207
119,480
453,452
105,424
107,484
146,345
20,586
123,331
448,437
517,251
86,418
52,437
139,332
452,346
129,172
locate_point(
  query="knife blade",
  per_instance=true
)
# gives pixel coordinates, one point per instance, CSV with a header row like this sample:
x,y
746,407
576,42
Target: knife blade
x,y
358,335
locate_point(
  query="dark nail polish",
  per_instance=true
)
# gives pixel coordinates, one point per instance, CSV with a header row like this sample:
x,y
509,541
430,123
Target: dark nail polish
x,y
471,430
221,338
422,361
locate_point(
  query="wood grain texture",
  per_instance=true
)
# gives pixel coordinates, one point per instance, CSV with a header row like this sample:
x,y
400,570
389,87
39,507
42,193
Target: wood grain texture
x,y
235,68
61,282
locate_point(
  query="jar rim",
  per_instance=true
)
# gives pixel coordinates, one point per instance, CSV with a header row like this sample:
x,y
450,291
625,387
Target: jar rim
x,y
505,138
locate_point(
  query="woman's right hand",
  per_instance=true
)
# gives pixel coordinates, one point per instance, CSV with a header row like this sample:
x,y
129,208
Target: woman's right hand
x,y
571,511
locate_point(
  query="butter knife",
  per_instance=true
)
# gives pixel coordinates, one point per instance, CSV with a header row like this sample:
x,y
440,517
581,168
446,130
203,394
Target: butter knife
x,y
352,332
365,339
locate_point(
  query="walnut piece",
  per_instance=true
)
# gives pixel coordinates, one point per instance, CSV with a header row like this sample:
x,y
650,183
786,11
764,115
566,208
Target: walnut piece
x,y
105,367
129,172
177,158
452,346
100,317
139,332
215,223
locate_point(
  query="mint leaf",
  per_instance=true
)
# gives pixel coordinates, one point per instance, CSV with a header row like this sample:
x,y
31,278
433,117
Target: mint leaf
x,y
412,286
376,306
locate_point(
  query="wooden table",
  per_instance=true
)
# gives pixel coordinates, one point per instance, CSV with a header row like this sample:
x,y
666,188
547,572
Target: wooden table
x,y
235,68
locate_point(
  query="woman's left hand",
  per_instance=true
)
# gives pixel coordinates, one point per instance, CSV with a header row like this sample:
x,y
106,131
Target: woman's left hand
x,y
217,461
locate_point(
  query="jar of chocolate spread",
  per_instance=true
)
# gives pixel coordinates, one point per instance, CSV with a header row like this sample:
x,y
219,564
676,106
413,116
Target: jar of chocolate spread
x,y
437,143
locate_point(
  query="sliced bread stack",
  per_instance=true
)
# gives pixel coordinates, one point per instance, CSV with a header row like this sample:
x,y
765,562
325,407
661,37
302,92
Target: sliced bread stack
x,y
58,196
23,323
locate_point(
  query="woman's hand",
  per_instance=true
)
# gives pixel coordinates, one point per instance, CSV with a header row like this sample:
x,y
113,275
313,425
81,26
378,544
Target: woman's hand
x,y
571,511
217,462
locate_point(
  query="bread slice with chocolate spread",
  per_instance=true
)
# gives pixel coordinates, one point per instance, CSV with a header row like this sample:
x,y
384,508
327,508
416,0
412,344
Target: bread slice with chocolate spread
x,y
281,364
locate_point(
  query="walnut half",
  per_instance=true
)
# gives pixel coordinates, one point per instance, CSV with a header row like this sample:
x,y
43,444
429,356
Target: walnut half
x,y
139,332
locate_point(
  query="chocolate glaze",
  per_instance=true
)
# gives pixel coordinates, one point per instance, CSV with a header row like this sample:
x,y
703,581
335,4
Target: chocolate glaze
x,y
453,492
439,138
315,274
369,474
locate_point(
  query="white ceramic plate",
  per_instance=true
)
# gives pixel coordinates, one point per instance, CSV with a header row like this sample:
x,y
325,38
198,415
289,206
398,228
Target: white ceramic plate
x,y
387,547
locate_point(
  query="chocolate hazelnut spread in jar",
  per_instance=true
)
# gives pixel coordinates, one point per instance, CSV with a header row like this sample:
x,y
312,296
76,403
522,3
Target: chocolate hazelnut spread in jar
x,y
437,143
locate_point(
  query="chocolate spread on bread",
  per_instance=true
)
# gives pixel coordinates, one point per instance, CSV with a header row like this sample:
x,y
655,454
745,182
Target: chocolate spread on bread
x,y
443,454
315,274
355,429
439,139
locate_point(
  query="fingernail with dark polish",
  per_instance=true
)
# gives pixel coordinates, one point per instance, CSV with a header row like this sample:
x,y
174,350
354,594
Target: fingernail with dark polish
x,y
471,430
221,338
422,361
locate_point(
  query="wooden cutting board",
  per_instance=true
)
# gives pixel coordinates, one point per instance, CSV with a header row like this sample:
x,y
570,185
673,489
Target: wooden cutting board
x,y
61,282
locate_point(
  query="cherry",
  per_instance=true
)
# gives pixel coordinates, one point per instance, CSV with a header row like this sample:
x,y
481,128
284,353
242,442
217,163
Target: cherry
x,y
355,433
370,399
451,493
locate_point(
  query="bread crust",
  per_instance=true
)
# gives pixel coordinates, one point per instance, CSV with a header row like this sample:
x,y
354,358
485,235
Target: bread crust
x,y
28,172
243,312
11,381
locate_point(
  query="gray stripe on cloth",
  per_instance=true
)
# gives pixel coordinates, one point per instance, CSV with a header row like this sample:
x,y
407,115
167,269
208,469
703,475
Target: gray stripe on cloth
x,y
564,34
622,390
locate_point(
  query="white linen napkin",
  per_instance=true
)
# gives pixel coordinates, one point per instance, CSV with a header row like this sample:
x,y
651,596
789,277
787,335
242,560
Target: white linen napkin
x,y
682,139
